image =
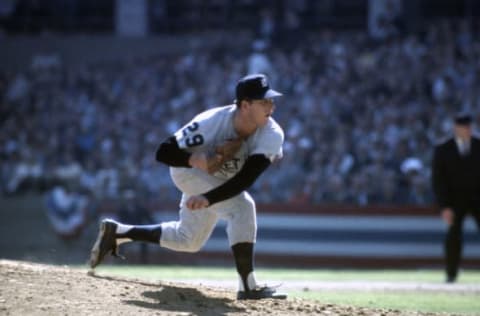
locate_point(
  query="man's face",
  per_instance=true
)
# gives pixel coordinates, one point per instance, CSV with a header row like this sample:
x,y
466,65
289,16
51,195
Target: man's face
x,y
463,131
261,110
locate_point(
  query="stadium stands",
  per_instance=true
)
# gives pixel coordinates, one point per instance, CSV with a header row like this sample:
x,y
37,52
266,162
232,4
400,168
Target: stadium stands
x,y
356,114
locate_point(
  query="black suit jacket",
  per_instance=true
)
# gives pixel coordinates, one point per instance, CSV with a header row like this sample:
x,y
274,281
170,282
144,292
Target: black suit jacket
x,y
456,179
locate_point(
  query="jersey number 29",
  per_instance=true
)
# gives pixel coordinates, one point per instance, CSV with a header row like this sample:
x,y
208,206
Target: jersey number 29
x,y
194,139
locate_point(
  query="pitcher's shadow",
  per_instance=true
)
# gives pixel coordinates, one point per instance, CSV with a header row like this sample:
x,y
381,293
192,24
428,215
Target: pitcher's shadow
x,y
184,299
178,299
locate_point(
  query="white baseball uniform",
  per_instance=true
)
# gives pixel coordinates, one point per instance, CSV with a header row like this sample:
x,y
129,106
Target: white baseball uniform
x,y
206,131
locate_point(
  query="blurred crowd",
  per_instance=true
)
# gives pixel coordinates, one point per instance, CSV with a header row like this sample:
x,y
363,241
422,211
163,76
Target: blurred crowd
x,y
360,116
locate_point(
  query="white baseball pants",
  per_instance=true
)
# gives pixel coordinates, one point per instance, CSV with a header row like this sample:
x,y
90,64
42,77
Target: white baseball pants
x,y
194,228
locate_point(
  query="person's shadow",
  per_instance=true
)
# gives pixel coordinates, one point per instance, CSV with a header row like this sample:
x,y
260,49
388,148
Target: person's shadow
x,y
180,299
183,299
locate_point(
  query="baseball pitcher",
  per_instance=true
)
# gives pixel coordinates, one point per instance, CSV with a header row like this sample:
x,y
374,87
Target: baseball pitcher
x,y
213,160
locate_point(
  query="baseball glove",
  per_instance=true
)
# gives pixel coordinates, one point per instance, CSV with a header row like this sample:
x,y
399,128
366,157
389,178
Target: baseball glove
x,y
223,153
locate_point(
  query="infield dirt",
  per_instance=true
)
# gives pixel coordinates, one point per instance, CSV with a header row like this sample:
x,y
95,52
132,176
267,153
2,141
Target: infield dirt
x,y
38,289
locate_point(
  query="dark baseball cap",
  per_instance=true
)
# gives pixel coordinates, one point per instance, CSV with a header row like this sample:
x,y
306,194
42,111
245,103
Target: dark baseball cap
x,y
463,118
254,87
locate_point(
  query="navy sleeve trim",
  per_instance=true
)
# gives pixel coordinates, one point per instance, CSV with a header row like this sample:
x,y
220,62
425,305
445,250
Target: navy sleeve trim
x,y
171,154
252,169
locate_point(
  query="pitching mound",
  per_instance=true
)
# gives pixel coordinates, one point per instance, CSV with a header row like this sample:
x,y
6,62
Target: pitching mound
x,y
36,289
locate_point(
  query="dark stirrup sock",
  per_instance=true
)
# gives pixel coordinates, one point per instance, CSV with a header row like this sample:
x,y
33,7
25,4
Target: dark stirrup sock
x,y
243,253
147,233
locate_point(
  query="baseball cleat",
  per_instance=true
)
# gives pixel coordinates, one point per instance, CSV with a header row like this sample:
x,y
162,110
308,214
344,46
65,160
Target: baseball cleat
x,y
261,293
105,243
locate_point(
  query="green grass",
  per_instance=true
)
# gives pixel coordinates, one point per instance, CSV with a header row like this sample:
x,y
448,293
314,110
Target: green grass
x,y
466,304
457,303
221,273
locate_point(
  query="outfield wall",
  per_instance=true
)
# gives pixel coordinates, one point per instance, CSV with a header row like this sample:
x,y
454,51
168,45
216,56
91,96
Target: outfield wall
x,y
289,235
339,236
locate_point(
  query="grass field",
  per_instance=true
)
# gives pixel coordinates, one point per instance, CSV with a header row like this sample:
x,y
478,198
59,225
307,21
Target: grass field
x,y
451,302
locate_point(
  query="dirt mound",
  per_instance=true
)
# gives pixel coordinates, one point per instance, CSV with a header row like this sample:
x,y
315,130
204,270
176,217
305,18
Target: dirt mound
x,y
37,289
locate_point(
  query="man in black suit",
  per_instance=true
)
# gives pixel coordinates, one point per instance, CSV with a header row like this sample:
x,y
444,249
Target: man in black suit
x,y
456,184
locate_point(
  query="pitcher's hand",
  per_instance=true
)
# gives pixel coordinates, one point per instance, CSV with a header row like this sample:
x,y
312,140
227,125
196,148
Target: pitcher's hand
x,y
448,215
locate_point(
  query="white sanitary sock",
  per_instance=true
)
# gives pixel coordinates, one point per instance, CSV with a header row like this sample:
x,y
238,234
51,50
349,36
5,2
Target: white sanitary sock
x,y
251,282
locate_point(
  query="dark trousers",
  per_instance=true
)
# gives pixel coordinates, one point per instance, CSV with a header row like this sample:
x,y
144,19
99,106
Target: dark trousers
x,y
454,243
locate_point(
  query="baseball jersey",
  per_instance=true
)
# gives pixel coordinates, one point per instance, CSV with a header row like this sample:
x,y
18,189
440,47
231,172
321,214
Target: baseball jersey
x,y
215,126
